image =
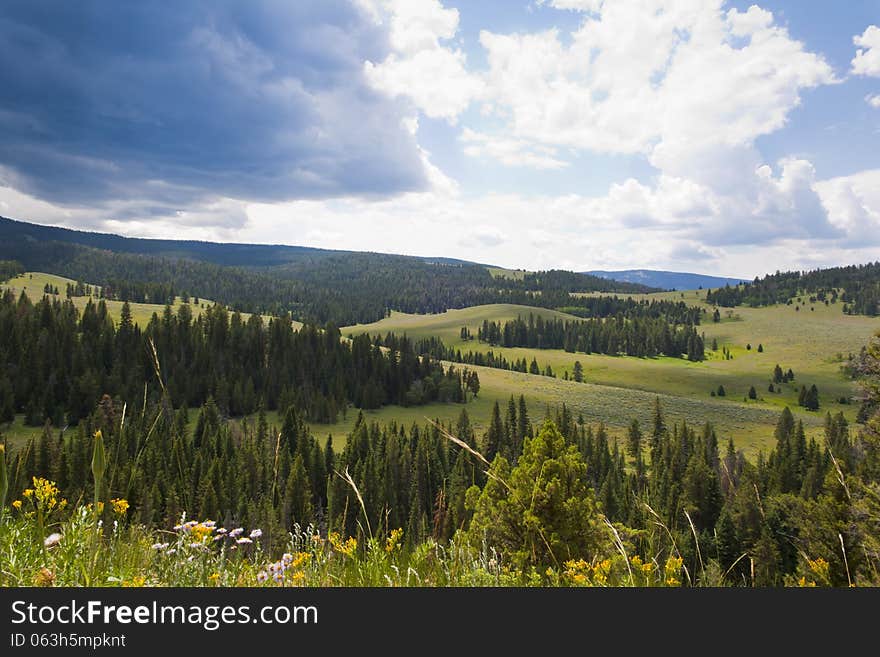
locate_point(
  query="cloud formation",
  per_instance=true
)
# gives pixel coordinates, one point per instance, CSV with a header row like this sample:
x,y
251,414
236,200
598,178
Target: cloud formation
x,y
867,59
422,65
108,101
299,123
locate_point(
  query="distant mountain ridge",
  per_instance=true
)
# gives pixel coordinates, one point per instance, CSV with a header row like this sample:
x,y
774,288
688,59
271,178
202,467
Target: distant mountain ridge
x,y
219,253
314,285
667,280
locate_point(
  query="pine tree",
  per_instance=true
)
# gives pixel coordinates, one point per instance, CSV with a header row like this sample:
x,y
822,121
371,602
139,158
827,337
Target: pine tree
x,y
634,440
778,376
811,398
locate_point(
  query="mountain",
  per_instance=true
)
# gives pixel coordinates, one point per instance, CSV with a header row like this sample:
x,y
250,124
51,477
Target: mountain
x,y
667,280
316,285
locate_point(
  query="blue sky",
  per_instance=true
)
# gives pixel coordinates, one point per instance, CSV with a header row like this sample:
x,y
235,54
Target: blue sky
x,y
721,137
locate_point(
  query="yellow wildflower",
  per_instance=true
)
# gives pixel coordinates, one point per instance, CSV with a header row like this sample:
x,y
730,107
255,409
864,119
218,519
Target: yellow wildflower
x,y
16,504
347,548
202,531
819,566
44,577
299,559
672,569
393,541
120,506
28,492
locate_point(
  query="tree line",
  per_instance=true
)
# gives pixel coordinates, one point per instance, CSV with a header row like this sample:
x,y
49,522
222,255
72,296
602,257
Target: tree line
x,y
313,285
640,336
536,493
860,286
57,361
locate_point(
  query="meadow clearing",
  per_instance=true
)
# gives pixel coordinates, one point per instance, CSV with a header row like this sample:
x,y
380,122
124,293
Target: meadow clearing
x,y
813,341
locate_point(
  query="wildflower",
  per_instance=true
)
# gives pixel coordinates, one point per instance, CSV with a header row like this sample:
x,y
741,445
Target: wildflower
x,y
159,546
28,492
297,577
287,558
195,545
16,504
256,533
209,524
120,506
171,551
346,548
200,531
222,530
278,577
393,541
244,540
214,577
262,576
673,568
52,540
44,577
235,533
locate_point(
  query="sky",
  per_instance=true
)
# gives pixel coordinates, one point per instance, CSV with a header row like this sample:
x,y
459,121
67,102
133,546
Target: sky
x,y
712,136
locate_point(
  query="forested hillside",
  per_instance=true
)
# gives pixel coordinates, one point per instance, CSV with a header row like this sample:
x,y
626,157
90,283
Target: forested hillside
x,y
314,285
56,364
556,501
856,288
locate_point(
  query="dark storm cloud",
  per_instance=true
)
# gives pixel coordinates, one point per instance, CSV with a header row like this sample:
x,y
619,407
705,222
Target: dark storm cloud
x,y
173,102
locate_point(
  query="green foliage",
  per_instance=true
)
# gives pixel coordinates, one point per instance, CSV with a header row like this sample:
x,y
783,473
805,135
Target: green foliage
x,y
546,514
861,285
629,327
316,286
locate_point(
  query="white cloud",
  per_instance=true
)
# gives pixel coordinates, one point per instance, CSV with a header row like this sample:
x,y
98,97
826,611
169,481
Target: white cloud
x,y
873,101
648,76
853,205
867,59
591,6
421,66
509,152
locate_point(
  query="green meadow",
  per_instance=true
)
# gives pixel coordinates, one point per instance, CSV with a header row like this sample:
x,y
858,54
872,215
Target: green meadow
x,y
33,284
812,341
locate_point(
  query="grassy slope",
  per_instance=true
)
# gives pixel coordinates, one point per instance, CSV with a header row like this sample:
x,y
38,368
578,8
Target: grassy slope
x,y
620,389
32,283
810,342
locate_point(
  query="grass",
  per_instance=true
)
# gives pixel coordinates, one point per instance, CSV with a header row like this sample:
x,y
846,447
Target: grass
x,y
33,284
813,343
512,274
128,554
617,389
447,325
